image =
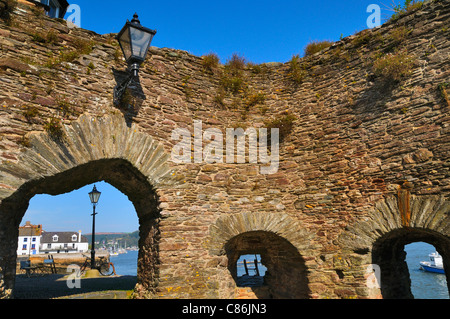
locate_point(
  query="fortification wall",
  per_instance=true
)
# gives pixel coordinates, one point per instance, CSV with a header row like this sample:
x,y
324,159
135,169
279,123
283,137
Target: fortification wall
x,y
357,135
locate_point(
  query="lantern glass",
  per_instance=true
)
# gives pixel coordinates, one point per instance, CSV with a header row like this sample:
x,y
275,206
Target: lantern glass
x,y
125,43
140,42
94,195
134,39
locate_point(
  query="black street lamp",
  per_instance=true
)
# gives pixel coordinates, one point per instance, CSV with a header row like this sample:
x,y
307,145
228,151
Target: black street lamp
x,y
134,40
94,196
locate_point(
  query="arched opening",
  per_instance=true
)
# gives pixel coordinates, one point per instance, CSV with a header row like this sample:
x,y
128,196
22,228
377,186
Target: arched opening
x,y
389,253
62,230
426,283
117,172
250,271
286,274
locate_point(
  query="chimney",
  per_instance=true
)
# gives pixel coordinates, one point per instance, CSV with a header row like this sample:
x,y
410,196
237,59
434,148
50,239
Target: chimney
x,y
79,236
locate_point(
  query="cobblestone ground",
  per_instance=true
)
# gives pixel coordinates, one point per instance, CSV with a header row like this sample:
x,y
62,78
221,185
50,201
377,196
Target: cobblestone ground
x,y
55,286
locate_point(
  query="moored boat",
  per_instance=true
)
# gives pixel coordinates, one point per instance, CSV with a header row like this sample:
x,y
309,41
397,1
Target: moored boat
x,y
435,265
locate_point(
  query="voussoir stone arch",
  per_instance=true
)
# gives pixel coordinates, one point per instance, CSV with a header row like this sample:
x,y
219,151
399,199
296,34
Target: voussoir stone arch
x,y
427,212
380,238
89,149
227,227
88,139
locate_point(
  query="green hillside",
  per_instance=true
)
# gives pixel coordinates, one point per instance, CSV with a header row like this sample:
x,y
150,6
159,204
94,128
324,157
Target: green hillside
x,y
122,240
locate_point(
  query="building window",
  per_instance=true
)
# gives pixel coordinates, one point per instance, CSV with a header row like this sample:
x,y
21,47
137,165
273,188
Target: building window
x,y
24,247
25,240
74,237
55,238
33,247
34,239
49,245
54,8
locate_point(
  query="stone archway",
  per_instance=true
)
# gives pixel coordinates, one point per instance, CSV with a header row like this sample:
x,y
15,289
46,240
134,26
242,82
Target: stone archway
x,y
381,236
92,149
281,242
388,252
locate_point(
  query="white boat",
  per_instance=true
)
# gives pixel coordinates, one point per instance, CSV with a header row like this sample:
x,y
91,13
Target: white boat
x,y
113,252
435,264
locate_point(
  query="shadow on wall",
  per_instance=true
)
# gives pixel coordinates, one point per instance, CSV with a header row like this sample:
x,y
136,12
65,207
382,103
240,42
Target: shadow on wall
x,y
133,97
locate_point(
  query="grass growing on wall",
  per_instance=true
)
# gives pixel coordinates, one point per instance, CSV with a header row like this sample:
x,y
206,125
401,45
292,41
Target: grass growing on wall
x,y
393,67
316,46
54,128
408,6
210,62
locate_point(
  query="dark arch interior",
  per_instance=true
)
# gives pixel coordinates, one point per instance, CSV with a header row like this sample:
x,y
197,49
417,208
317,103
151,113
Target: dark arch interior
x,y
119,173
286,275
389,253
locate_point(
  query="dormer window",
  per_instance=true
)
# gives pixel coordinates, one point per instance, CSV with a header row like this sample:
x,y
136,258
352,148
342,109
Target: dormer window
x,y
55,238
74,237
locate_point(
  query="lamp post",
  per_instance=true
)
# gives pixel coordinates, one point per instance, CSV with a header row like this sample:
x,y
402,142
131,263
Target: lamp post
x,y
134,40
94,196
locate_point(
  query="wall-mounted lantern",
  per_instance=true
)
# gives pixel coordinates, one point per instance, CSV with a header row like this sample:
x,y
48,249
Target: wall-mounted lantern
x,y
134,40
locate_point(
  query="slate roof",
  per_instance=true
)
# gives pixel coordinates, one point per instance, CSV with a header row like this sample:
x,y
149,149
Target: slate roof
x,y
30,230
63,237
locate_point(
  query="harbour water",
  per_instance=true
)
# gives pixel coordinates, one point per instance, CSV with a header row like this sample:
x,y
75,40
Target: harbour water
x,y
424,285
126,264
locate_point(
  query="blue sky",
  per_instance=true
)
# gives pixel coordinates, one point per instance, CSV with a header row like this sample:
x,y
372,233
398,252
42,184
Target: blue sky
x,y
72,211
262,31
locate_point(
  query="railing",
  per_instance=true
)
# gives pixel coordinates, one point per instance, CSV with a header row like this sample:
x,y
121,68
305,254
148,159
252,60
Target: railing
x,y
44,247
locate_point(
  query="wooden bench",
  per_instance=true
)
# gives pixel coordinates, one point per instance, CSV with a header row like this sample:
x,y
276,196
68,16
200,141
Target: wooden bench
x,y
47,266
29,269
50,263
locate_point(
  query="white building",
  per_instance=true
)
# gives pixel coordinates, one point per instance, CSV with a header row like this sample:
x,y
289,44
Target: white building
x,y
63,242
34,241
29,239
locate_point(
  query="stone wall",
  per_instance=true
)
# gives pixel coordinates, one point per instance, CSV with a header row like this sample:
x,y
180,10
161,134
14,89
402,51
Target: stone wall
x,y
357,136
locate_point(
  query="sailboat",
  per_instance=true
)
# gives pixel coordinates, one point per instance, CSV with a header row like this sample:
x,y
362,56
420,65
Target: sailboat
x,y
113,252
435,264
